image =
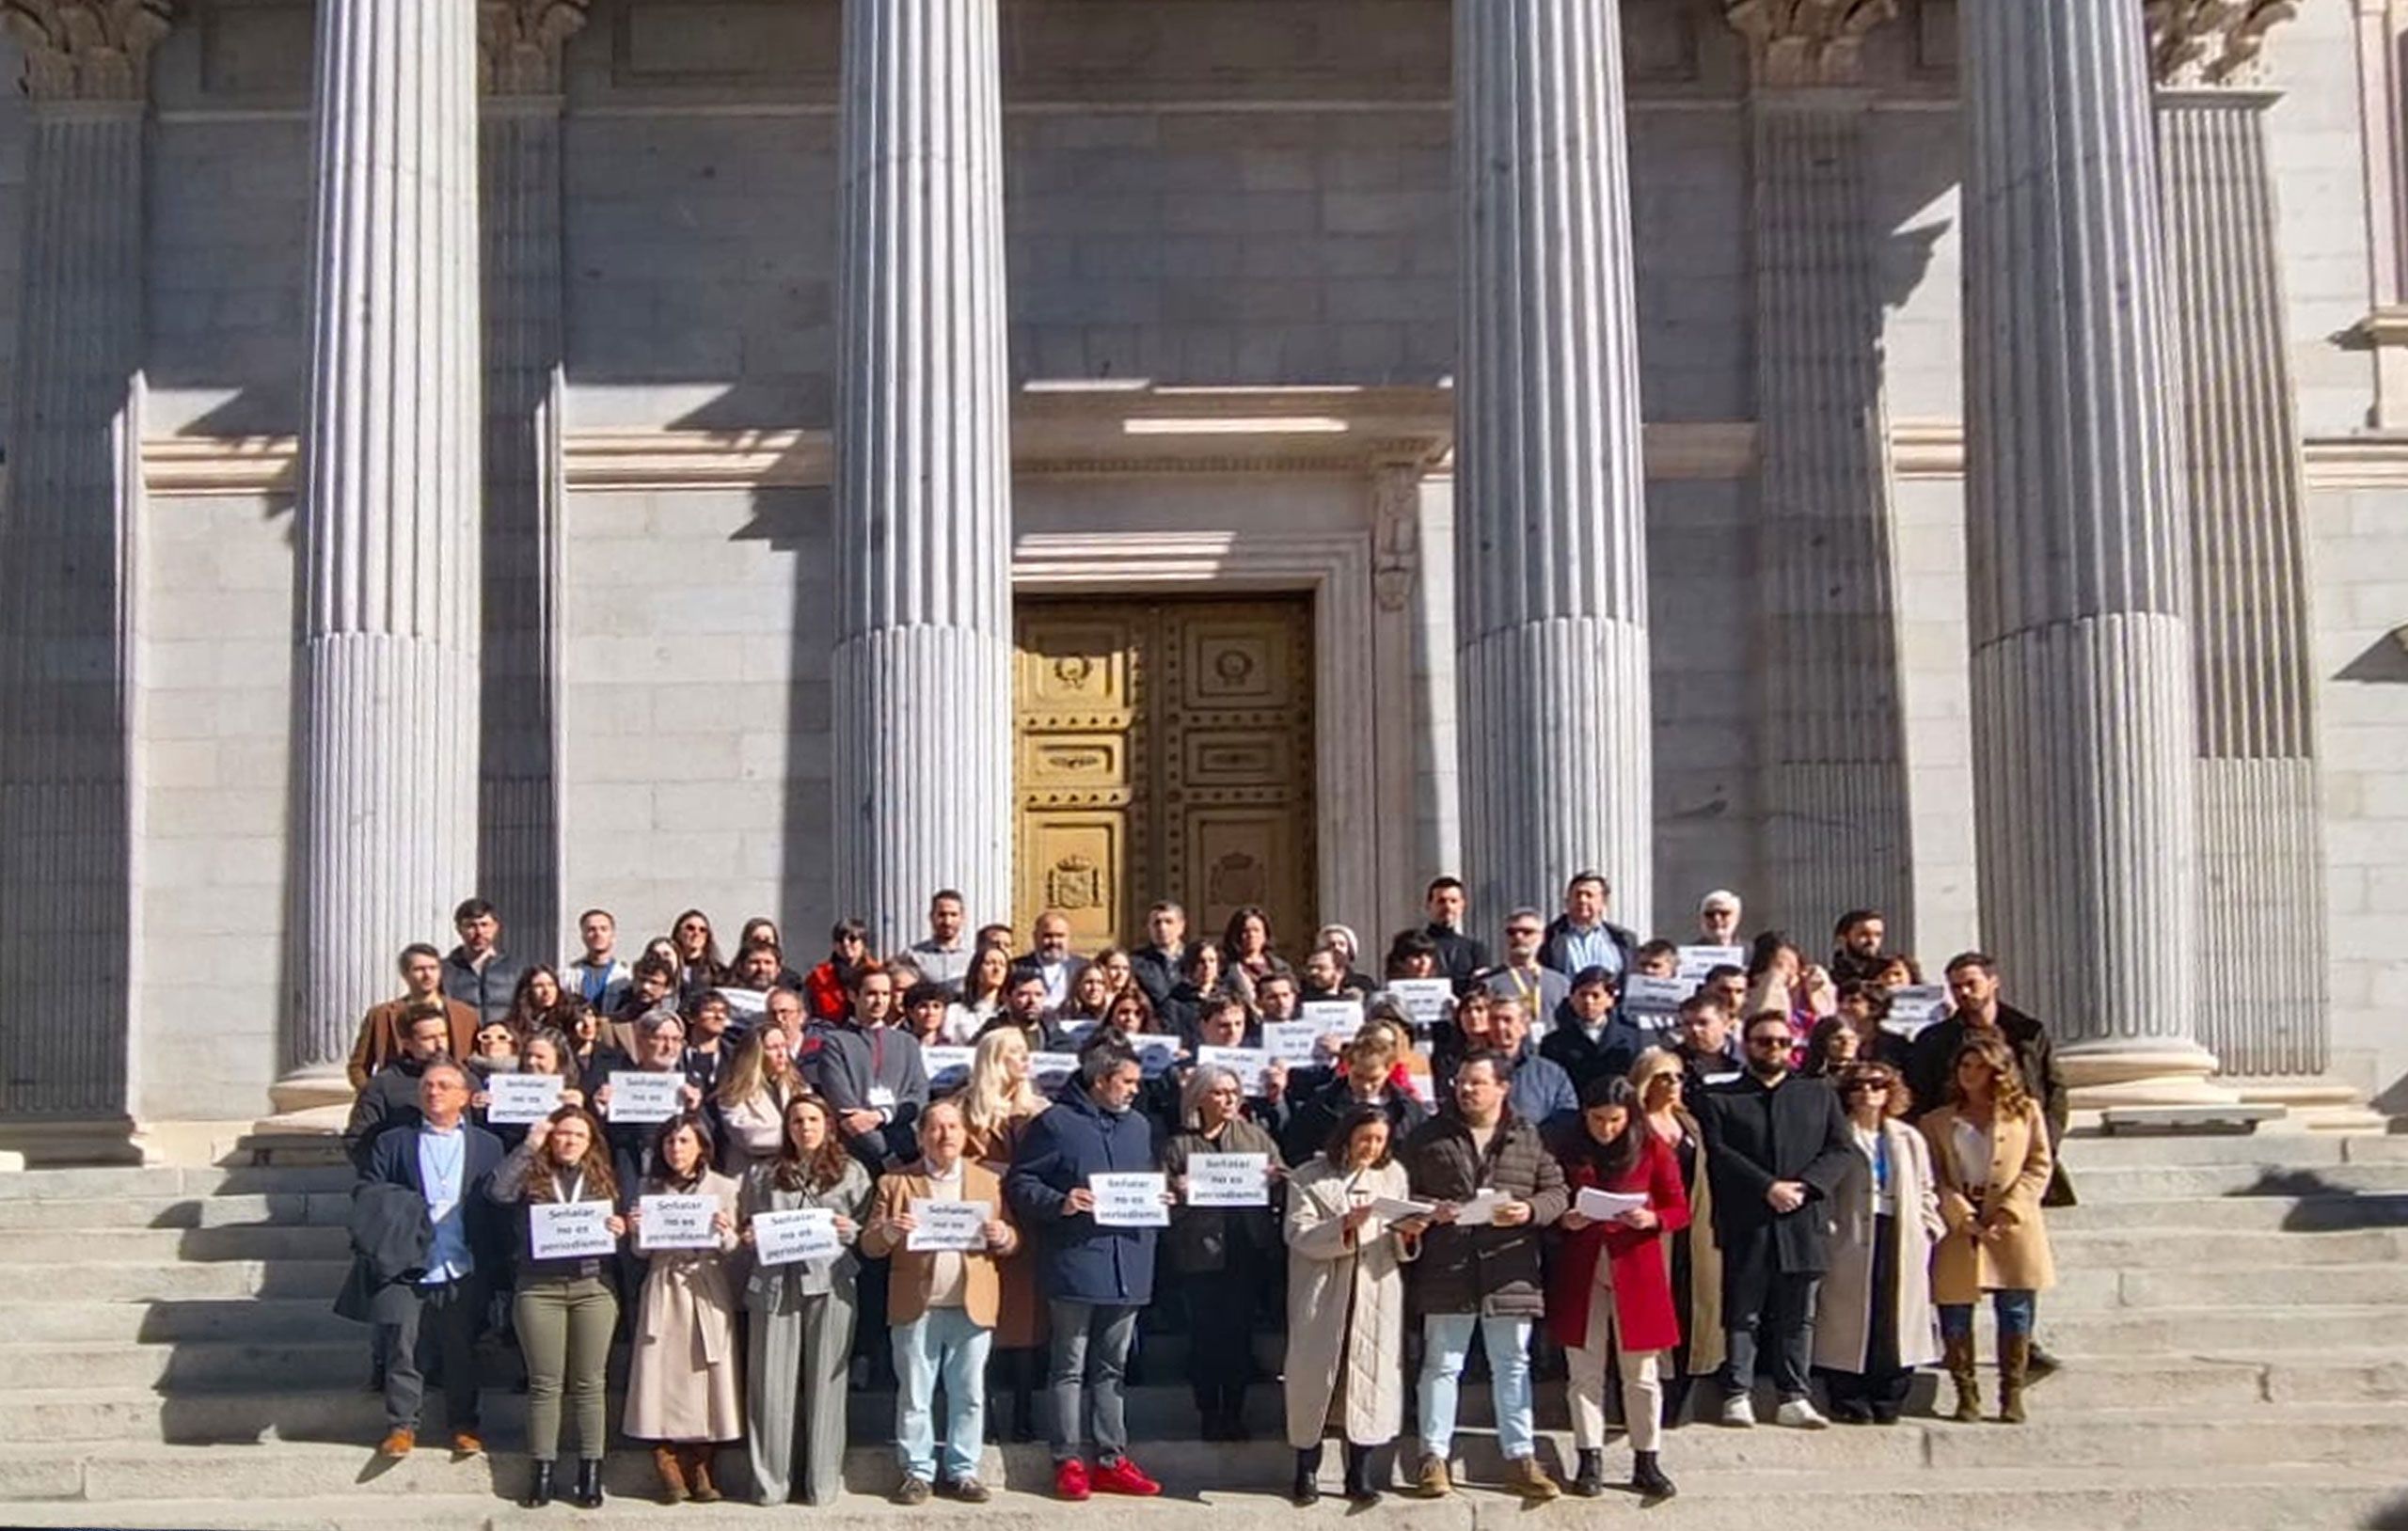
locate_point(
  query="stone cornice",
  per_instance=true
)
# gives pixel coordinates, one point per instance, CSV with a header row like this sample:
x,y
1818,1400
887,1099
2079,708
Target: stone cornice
x,y
87,50
2210,42
519,43
1802,43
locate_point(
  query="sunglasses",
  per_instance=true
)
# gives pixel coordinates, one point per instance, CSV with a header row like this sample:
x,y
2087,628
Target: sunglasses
x,y
1876,1087
1769,1041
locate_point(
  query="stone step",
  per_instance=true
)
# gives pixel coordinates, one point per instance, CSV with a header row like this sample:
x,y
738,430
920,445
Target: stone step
x,y
2158,1182
2087,1288
2295,1149
257,1321
2089,1248
160,1180
162,1247
2322,1213
213,1366
84,1280
2120,1333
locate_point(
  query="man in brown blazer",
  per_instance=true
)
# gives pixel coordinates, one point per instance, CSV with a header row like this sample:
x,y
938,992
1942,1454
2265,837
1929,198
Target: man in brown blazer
x,y
942,1305
380,1031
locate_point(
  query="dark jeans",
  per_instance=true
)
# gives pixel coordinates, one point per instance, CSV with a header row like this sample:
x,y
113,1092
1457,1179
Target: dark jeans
x,y
1784,1315
1090,1356
442,1319
1220,1340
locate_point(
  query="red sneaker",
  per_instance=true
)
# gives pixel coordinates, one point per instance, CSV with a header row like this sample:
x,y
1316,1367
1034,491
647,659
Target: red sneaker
x,y
1071,1479
1125,1477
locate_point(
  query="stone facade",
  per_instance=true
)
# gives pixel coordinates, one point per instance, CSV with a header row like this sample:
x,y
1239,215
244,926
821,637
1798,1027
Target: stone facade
x,y
1249,194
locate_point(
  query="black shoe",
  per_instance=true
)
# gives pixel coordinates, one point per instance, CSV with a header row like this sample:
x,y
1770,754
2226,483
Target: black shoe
x,y
1306,1491
588,1495
1648,1481
1358,1476
1588,1477
539,1488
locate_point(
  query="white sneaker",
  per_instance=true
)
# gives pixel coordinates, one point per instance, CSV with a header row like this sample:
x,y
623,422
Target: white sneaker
x,y
1799,1415
1739,1413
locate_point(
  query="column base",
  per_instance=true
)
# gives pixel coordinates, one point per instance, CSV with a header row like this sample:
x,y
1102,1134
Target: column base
x,y
310,1089
2178,1074
69,1141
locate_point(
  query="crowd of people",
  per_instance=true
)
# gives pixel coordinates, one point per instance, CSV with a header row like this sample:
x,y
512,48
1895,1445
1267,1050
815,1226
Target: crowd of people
x,y
978,1173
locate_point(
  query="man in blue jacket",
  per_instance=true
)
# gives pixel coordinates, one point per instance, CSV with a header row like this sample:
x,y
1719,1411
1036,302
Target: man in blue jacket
x,y
1095,1278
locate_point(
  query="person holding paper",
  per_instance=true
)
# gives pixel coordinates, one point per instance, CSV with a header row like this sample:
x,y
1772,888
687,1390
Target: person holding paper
x,y
565,1308
1775,1148
682,1391
943,1305
1223,1258
1095,1278
1694,1261
1484,1277
799,1340
749,1109
1003,1097
660,1048
1346,1300
1874,1323
1864,1004
1608,1289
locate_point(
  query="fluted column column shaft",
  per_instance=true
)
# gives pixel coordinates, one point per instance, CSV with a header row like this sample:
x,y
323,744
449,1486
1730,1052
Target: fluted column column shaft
x,y
1551,546
2260,824
2078,561
67,899
921,671
387,670
519,852
1834,732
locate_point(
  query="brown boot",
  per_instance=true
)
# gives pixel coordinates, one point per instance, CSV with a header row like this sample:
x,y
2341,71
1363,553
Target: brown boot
x,y
699,1460
2013,1366
1969,1388
669,1461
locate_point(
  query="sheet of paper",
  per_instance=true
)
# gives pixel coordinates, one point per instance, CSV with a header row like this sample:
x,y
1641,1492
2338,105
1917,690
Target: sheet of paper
x,y
1228,1180
1425,1001
1914,1009
1479,1212
960,1226
1328,1015
642,1096
745,1001
1294,1041
1155,1054
1395,1209
948,1067
519,1098
1655,996
676,1222
1252,1065
1049,1071
807,1233
566,1230
1723,1077
1606,1205
1697,961
1131,1199
1072,1033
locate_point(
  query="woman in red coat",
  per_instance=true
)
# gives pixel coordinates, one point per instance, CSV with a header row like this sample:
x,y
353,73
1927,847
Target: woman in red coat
x,y
1609,1281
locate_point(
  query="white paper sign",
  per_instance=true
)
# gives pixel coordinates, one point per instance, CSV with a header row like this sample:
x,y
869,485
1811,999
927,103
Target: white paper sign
x,y
1155,1054
745,1003
944,1224
642,1096
1252,1065
1328,1015
1643,995
1130,1200
676,1222
948,1067
1915,1009
1228,1180
566,1230
1424,1000
1697,961
1074,1031
1606,1205
1395,1209
1713,1080
517,1098
1052,1070
1479,1212
806,1232
1294,1041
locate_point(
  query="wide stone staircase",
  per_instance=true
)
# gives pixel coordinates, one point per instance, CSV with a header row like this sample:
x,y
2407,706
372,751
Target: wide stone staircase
x,y
2233,1310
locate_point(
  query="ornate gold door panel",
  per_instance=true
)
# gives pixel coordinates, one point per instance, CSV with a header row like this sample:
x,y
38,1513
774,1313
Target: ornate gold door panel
x,y
1164,750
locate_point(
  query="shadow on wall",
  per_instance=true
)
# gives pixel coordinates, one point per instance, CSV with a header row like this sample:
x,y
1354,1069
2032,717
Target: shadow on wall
x,y
2383,664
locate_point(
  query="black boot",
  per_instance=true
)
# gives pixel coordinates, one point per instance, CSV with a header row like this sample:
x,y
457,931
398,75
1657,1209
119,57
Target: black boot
x,y
588,1495
1588,1477
1358,1475
1233,1413
1306,1490
539,1488
1647,1478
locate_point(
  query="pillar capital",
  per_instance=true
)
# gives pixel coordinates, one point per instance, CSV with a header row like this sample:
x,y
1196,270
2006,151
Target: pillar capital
x,y
87,50
1804,43
2194,43
519,43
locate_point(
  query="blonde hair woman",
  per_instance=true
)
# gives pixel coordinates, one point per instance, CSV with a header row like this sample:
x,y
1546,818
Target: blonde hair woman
x,y
750,1102
1696,1260
1990,1147
997,1107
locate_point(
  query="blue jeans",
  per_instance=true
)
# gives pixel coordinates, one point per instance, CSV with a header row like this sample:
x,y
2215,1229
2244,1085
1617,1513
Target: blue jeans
x,y
1446,1343
940,1344
2016,1308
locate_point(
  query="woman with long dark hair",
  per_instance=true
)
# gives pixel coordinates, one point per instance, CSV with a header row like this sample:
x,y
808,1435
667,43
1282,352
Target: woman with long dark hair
x,y
1247,947
700,966
682,1390
533,1002
1609,1291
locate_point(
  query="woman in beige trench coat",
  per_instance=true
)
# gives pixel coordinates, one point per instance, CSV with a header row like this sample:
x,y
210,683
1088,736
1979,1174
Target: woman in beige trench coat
x,y
1873,1320
683,1391
1346,1302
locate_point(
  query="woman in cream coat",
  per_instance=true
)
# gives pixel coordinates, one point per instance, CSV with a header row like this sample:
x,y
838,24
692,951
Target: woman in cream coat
x,y
1873,1323
682,1391
1346,1302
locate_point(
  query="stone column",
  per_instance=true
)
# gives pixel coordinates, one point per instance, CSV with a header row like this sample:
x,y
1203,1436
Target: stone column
x,y
518,829
385,823
2260,884
68,895
2077,553
1834,726
1551,530
922,672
